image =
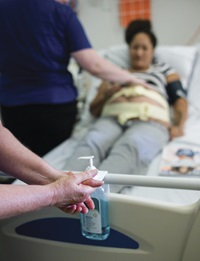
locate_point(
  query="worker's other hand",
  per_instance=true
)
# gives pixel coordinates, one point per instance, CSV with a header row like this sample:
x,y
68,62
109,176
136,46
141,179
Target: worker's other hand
x,y
72,192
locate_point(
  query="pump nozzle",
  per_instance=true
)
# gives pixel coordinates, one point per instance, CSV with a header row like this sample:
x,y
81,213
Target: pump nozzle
x,y
90,158
101,174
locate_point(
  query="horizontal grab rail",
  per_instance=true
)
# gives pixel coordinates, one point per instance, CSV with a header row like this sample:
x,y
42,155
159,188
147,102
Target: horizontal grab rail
x,y
189,183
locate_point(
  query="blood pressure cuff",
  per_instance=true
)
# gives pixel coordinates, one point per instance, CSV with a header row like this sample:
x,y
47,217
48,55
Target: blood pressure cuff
x,y
175,91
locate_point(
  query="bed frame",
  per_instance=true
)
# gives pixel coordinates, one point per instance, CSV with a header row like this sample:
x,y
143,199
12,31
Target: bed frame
x,y
141,229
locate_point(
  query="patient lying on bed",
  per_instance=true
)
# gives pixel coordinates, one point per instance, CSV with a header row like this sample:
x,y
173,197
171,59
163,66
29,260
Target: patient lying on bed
x,y
133,122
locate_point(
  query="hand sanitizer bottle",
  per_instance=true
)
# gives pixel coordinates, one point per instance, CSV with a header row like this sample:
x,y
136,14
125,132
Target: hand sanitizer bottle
x,y
95,223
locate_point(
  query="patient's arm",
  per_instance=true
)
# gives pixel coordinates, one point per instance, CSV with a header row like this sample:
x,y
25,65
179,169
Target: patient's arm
x,y
180,116
180,107
105,91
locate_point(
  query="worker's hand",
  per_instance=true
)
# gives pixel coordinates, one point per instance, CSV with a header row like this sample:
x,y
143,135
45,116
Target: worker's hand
x,y
80,207
137,81
72,191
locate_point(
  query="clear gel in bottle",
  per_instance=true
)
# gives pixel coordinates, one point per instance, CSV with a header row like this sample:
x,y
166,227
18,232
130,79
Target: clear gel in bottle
x,y
95,223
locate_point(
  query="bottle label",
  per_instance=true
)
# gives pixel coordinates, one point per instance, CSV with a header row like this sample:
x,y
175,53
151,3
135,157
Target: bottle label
x,y
92,220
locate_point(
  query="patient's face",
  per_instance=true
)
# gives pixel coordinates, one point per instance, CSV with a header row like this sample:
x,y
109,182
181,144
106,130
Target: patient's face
x,y
141,52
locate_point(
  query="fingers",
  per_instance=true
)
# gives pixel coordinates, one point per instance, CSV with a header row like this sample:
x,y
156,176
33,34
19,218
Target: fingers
x,y
69,209
80,207
140,82
70,191
112,91
89,203
175,132
93,183
72,209
83,176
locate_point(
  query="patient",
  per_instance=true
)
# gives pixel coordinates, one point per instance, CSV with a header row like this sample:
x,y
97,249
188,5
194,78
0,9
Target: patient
x,y
133,122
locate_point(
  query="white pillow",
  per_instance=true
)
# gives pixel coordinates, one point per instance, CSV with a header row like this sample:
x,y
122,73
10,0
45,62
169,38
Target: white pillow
x,y
118,55
181,58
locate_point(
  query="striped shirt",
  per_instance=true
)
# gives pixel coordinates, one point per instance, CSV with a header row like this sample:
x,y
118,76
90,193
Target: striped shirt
x,y
156,76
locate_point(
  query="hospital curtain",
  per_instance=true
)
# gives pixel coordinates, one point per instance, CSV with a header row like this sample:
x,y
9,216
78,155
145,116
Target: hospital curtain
x,y
130,10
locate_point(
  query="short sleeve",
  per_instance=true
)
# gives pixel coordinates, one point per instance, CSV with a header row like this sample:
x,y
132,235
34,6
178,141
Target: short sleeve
x,y
164,68
75,34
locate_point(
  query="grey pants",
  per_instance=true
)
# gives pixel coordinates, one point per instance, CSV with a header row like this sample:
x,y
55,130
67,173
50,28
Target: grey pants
x,y
119,149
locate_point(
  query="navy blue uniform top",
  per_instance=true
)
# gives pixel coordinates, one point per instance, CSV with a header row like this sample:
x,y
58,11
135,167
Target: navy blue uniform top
x,y
36,39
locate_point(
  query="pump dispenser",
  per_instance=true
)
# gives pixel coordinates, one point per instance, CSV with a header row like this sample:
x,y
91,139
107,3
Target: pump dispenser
x,y
90,158
95,223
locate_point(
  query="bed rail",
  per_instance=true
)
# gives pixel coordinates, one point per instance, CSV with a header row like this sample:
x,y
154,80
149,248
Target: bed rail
x,y
189,183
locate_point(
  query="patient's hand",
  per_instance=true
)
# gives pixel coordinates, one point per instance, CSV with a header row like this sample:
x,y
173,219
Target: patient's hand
x,y
175,132
110,90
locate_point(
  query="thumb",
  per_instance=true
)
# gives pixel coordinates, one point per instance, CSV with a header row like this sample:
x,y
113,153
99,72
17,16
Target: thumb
x,y
88,174
93,183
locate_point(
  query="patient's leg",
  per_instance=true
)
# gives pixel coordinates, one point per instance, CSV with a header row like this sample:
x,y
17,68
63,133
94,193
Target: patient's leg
x,y
136,148
97,142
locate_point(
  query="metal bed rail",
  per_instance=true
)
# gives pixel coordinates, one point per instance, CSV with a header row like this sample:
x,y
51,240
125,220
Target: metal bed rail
x,y
188,183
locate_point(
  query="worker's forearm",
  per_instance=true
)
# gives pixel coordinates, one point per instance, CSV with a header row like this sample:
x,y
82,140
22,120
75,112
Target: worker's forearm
x,y
18,161
89,60
22,198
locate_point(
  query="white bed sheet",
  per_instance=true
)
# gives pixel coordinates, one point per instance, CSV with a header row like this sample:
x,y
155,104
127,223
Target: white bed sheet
x,y
58,156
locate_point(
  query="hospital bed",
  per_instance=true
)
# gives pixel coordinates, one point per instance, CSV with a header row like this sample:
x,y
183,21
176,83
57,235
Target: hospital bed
x,y
155,218
186,60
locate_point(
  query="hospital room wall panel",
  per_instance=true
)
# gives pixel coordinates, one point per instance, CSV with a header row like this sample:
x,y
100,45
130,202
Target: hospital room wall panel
x,y
174,21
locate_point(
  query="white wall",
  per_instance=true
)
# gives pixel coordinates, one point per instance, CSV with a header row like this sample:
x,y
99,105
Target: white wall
x,y
174,21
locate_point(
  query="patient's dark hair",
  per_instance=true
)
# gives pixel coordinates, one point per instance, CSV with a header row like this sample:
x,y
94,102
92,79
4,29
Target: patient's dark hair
x,y
140,26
